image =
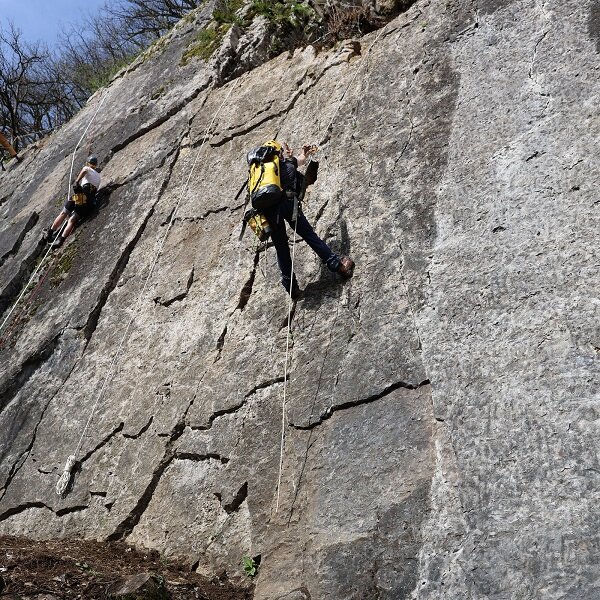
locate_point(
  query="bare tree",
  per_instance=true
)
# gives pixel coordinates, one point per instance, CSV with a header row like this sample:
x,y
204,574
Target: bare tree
x,y
26,87
39,90
146,20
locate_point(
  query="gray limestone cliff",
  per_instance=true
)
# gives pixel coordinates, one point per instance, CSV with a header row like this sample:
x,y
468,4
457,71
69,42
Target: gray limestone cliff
x,y
442,410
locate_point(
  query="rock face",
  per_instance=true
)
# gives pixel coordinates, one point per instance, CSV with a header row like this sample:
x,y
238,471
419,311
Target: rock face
x,y
441,415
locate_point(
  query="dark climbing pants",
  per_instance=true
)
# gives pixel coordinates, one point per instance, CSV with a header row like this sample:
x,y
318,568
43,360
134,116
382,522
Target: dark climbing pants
x,y
277,216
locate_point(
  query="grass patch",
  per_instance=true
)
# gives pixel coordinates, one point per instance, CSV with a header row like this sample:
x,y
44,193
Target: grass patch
x,y
206,42
64,263
210,38
103,77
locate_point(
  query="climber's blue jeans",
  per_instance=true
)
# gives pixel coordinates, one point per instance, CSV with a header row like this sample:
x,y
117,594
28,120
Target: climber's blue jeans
x,y
277,216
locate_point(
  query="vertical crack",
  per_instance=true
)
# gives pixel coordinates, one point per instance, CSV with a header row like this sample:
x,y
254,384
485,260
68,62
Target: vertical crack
x,y
27,369
25,454
13,288
31,223
220,344
247,289
92,322
237,500
127,525
124,529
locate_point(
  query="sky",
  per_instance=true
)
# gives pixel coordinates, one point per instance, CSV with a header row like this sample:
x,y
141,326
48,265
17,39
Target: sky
x,y
42,20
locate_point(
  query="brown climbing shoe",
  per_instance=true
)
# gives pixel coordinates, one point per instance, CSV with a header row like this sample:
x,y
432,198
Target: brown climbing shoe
x,y
346,268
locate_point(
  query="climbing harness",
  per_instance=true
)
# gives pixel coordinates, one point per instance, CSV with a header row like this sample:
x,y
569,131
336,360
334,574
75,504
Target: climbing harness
x,y
285,376
36,270
63,483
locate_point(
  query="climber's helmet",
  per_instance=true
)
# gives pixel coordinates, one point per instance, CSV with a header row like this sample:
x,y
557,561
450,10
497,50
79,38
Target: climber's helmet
x,y
93,160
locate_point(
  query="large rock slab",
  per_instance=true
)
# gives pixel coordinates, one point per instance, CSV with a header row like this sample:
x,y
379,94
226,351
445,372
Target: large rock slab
x,y
436,435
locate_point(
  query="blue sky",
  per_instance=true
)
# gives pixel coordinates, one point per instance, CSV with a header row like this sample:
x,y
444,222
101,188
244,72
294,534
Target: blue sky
x,y
42,19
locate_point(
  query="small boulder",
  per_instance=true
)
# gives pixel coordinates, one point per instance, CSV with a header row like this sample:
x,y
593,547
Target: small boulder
x,y
143,586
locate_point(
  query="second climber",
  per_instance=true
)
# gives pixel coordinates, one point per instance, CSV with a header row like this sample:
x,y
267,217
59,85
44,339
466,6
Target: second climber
x,y
79,207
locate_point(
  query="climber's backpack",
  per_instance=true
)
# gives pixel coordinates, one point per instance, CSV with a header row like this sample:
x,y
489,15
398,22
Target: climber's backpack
x,y
79,196
264,177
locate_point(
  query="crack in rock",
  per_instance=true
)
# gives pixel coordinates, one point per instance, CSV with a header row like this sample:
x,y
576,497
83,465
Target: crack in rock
x,y
220,344
30,447
247,287
15,510
237,500
111,284
77,466
265,384
66,511
194,457
360,402
178,297
161,120
24,455
102,443
14,287
141,432
213,211
5,199
124,529
219,413
284,111
29,225
233,409
22,374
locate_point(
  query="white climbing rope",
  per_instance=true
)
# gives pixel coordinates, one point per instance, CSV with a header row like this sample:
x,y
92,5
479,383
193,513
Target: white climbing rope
x,y
285,367
36,270
63,482
285,374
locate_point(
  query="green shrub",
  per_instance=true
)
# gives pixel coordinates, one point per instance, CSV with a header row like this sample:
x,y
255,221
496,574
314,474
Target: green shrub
x,y
250,566
280,12
226,13
206,42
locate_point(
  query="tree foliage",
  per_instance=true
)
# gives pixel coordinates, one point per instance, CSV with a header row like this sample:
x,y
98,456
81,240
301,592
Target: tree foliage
x,y
40,89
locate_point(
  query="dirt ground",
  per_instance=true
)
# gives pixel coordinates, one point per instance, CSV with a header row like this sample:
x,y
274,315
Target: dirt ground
x,y
65,569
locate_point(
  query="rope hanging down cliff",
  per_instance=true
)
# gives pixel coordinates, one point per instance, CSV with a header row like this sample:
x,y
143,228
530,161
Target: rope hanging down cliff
x,y
286,369
63,482
37,269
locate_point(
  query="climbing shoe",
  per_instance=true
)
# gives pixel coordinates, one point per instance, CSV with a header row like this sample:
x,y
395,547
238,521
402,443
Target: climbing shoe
x,y
346,268
58,242
49,235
